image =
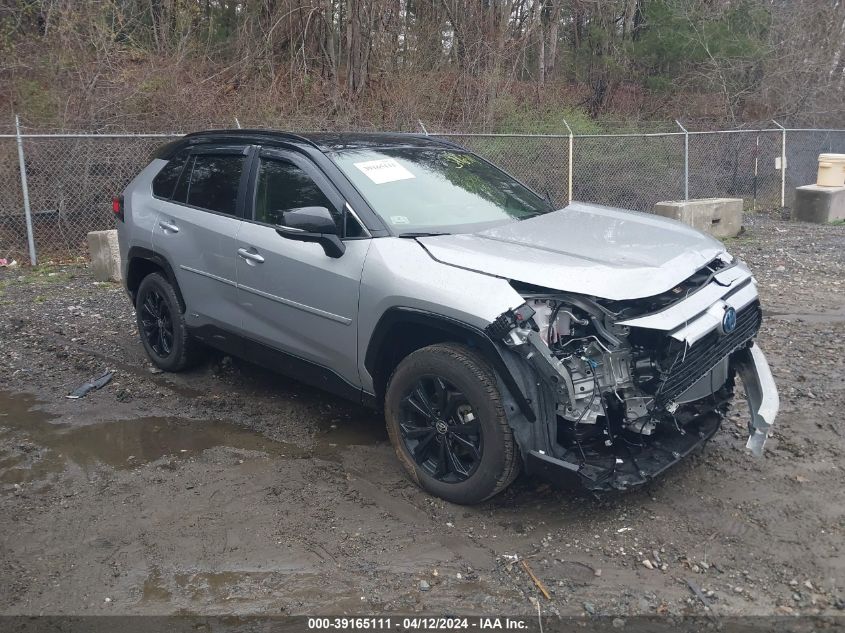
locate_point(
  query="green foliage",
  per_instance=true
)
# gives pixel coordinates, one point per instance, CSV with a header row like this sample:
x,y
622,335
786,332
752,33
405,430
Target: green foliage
x,y
461,63
659,83
35,100
681,36
513,117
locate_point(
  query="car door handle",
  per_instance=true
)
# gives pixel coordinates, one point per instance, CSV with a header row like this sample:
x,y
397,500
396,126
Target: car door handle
x,y
250,256
167,226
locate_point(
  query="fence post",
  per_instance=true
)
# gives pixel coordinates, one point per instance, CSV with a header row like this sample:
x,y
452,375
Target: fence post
x,y
569,179
756,171
782,164
686,159
25,189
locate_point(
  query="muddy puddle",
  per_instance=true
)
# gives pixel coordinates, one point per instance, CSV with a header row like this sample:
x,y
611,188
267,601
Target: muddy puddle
x,y
34,443
218,587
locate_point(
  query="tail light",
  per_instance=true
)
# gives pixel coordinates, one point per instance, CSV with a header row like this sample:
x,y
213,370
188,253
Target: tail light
x,y
117,207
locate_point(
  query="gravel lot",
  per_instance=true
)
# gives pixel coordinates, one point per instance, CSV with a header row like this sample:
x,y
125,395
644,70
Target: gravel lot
x,y
230,490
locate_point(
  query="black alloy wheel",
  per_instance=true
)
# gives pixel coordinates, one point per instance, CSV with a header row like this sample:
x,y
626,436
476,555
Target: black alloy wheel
x,y
157,323
161,325
447,422
440,429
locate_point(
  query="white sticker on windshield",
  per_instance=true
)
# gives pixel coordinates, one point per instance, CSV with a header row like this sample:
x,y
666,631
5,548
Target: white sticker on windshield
x,y
399,219
384,170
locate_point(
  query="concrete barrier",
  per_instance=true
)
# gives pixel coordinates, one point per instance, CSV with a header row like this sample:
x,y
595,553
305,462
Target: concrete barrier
x,y
819,204
721,217
105,255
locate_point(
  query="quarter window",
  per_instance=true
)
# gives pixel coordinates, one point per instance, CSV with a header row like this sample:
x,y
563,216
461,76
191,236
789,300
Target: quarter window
x,y
165,182
283,186
213,183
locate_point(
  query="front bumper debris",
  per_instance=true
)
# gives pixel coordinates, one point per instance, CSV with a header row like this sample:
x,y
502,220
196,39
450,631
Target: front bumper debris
x,y
762,394
604,453
607,470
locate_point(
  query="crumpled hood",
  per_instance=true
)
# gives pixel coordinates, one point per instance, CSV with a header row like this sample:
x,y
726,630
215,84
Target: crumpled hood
x,y
584,248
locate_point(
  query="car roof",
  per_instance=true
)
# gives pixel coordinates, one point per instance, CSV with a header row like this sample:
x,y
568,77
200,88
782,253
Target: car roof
x,y
333,141
323,141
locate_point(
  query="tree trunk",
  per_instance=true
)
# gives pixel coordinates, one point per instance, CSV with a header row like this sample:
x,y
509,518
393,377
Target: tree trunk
x,y
551,52
353,47
541,53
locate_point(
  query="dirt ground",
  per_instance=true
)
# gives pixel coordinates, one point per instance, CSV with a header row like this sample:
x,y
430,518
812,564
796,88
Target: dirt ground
x,y
231,490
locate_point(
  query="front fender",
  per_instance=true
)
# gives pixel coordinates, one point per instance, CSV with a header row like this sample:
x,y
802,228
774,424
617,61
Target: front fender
x,y
454,330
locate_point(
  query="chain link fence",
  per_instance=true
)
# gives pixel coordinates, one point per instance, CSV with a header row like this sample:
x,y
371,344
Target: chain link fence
x,y
632,172
738,165
70,182
635,171
802,150
71,178
13,242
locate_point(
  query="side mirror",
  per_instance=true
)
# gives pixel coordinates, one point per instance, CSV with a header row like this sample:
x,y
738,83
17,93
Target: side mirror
x,y
312,224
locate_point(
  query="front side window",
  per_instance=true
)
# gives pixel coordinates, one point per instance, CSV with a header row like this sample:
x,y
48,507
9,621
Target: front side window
x,y
283,186
212,182
437,190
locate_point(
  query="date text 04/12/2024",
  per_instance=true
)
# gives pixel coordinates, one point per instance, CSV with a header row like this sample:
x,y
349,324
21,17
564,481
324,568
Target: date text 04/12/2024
x,y
416,623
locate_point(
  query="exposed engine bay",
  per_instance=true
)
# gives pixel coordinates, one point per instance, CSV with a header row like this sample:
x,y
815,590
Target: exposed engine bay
x,y
630,401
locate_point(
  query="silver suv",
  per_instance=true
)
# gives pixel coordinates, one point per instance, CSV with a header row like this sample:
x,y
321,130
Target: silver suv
x,y
593,346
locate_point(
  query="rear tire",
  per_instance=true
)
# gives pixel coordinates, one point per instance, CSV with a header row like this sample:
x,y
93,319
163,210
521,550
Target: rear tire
x,y
448,426
161,325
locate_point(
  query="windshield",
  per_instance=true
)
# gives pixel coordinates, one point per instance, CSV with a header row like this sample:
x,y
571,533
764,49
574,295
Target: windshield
x,y
425,190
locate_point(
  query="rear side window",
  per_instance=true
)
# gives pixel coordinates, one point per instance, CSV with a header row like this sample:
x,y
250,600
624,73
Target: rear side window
x,y
283,186
165,182
212,182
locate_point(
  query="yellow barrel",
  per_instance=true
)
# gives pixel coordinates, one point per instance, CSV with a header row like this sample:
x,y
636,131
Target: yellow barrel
x,y
831,170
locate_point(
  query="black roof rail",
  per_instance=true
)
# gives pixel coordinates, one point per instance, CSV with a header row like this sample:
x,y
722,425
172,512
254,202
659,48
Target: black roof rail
x,y
321,141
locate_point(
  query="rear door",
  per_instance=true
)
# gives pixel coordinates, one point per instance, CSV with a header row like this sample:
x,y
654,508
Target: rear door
x,y
295,298
197,229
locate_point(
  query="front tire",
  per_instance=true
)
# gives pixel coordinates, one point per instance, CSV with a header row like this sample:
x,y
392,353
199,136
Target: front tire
x,y
161,325
448,426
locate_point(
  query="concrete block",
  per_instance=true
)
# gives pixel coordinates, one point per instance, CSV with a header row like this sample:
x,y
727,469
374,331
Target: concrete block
x,y
814,203
105,255
721,217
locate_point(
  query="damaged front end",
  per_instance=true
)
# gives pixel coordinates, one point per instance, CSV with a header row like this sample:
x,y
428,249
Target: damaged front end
x,y
624,390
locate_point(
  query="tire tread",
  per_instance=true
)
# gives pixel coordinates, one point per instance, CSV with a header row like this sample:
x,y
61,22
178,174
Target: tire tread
x,y
486,377
189,346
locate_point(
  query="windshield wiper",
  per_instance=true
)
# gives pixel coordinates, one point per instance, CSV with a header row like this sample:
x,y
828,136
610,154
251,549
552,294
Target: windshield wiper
x,y
422,234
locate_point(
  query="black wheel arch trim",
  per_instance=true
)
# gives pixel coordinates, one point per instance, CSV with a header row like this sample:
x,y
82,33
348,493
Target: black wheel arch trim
x,y
141,253
456,330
